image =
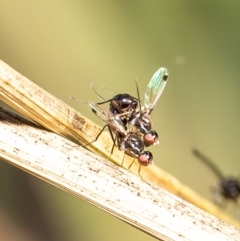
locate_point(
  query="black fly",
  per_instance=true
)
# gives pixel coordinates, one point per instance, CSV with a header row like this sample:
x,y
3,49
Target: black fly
x,y
130,143
229,187
130,111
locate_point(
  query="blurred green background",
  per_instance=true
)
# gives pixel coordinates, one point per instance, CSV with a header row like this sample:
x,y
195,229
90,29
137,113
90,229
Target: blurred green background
x,y
63,46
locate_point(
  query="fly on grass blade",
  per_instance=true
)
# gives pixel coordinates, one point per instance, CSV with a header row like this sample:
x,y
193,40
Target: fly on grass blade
x,y
128,142
129,110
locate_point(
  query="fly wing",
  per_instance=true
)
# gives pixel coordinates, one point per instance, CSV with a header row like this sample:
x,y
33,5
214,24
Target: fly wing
x,y
155,88
113,121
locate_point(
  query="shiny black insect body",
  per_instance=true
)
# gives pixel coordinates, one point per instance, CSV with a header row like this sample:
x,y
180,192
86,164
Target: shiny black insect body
x,y
126,141
229,187
133,146
125,108
133,116
129,122
140,121
123,105
142,125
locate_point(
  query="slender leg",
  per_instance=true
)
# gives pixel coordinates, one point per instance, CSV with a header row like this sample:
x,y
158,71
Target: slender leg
x,y
123,159
111,134
131,163
139,170
96,136
114,141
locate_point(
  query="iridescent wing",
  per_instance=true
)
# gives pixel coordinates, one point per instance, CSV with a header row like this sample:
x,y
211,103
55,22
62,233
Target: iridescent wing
x,y
113,121
154,89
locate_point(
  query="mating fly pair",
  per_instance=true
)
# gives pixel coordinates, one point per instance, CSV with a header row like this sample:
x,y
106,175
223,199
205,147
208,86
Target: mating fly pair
x,y
131,122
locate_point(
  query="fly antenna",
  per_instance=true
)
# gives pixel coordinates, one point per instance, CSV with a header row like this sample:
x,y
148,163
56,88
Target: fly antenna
x,y
109,91
76,99
93,88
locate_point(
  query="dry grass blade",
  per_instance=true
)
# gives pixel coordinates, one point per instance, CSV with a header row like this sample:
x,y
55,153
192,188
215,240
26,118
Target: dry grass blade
x,y
103,184
48,111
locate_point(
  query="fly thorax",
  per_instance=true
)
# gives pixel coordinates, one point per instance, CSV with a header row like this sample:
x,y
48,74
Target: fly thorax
x,y
135,143
125,105
144,123
122,144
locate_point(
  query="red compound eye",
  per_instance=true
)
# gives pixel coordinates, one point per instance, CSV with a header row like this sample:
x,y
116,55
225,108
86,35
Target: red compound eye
x,y
145,158
151,138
